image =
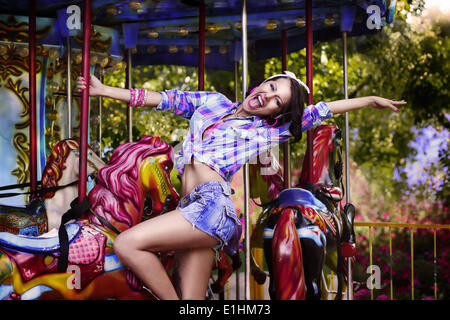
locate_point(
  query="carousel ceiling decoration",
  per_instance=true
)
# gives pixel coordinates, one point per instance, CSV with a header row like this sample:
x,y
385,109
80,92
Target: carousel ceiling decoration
x,y
167,31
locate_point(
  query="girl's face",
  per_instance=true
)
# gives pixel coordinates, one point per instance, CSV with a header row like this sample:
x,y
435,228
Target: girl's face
x,y
268,99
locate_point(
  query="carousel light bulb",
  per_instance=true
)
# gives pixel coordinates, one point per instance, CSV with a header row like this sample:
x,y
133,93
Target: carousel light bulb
x,y
207,49
183,31
212,28
152,34
53,86
271,25
23,52
300,22
329,20
134,5
173,49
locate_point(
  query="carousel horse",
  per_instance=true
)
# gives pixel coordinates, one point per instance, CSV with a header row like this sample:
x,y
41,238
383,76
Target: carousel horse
x,y
59,188
301,227
29,265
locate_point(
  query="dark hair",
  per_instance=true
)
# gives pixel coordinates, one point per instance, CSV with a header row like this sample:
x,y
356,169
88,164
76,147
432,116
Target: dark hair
x,y
293,111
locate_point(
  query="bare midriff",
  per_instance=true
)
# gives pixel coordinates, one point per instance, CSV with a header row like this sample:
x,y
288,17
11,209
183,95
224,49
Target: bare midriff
x,y
196,173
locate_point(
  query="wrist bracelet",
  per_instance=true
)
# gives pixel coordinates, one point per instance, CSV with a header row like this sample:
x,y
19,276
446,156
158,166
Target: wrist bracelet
x,y
140,99
132,98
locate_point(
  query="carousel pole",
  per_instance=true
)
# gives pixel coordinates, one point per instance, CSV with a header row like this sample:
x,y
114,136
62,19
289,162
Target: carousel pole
x,y
99,128
286,151
246,166
309,79
32,94
69,87
201,47
84,113
129,85
236,98
347,150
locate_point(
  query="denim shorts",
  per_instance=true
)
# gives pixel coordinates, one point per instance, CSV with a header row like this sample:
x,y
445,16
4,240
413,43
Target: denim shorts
x,y
209,207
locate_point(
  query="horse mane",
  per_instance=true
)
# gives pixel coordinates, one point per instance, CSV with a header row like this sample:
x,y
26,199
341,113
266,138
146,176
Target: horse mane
x,y
118,194
322,144
55,165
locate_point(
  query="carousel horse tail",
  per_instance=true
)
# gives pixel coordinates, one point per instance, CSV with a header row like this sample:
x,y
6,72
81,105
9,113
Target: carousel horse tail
x,y
258,274
224,273
348,231
289,277
339,261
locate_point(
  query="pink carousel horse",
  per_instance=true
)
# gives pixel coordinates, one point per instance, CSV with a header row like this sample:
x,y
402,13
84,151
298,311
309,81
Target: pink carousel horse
x,y
44,212
300,227
29,265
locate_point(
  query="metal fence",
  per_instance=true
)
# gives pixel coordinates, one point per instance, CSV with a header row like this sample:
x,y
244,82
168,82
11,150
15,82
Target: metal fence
x,y
413,228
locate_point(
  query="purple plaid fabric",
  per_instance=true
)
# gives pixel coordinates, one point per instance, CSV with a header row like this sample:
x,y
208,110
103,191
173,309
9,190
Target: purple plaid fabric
x,y
235,140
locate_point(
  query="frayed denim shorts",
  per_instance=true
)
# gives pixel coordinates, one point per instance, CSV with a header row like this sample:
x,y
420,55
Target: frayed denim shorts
x,y
209,207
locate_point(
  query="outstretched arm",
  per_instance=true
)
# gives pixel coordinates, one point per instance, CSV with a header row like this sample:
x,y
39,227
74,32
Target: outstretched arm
x,y
342,106
97,88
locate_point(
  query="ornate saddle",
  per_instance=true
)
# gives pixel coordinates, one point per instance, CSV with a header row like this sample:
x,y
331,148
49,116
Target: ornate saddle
x,y
38,256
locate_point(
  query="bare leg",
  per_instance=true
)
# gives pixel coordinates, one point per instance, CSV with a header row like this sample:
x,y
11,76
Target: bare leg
x,y
194,269
136,248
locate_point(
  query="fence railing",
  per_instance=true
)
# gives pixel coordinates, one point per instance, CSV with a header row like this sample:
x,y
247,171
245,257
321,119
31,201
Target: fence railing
x,y
412,227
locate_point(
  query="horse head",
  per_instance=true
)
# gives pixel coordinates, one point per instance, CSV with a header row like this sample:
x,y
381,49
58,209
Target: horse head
x,y
135,169
62,168
44,213
327,159
62,164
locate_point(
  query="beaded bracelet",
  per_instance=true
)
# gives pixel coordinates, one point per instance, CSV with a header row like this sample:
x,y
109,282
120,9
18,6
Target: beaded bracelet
x,y
138,101
132,98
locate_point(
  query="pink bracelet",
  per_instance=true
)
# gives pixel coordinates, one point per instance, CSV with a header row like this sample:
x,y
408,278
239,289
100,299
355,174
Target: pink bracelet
x,y
140,99
132,98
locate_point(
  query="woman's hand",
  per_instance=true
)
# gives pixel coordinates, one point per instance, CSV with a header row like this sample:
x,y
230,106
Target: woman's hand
x,y
96,88
341,106
381,103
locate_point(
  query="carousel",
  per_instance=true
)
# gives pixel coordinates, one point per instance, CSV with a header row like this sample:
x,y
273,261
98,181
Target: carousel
x,y
62,206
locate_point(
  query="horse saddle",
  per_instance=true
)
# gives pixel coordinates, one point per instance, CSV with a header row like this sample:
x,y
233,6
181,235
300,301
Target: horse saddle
x,y
299,196
39,256
36,244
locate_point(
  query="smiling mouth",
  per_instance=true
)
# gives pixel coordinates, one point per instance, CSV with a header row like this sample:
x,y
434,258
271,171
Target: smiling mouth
x,y
256,102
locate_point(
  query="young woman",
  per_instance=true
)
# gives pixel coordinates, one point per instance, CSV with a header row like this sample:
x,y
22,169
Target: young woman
x,y
223,136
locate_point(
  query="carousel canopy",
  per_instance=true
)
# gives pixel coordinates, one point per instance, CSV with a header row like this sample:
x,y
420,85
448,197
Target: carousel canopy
x,y
167,31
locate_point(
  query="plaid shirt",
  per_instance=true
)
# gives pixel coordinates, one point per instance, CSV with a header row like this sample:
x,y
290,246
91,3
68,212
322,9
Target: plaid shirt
x,y
235,140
